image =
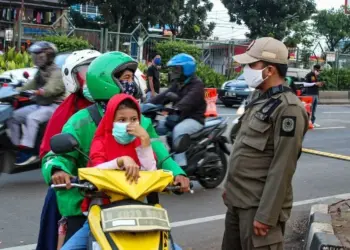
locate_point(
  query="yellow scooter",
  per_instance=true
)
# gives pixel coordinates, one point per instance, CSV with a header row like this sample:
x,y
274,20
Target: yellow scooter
x,y
127,223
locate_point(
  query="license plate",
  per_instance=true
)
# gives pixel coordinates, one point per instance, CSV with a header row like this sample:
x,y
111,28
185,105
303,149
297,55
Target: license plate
x,y
231,94
134,218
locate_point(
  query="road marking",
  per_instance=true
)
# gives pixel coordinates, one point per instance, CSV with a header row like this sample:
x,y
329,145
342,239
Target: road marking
x,y
25,247
222,216
213,218
227,115
329,128
335,112
326,154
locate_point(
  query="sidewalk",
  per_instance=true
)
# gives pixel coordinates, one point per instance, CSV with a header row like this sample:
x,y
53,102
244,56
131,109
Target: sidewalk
x,y
340,213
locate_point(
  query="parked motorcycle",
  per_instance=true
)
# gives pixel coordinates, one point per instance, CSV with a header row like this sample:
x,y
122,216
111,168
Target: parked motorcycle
x,y
206,157
10,100
127,222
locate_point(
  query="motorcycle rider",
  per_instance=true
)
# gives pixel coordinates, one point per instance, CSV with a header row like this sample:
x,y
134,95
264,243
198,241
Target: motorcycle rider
x,y
74,78
191,105
49,90
109,74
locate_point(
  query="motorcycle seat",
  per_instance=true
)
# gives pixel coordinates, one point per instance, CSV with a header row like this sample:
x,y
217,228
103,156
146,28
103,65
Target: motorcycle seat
x,y
208,126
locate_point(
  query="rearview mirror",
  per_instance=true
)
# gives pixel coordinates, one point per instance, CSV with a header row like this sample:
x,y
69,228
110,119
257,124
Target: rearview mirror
x,y
182,144
63,143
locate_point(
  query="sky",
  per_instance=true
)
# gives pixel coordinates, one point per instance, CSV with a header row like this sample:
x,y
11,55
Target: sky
x,y
226,30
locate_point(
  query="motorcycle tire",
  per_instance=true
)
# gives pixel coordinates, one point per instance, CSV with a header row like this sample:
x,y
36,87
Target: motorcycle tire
x,y
210,184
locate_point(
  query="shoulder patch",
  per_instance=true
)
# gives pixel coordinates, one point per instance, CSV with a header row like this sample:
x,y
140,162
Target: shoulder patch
x,y
288,124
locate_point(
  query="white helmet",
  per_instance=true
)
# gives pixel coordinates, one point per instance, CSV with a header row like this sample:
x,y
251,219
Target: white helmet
x,y
76,63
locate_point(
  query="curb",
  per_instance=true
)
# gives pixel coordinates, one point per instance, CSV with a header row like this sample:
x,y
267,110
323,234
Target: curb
x,y
321,235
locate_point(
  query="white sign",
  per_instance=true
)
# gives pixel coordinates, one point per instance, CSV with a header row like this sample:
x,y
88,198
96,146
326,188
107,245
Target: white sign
x,y
330,57
8,35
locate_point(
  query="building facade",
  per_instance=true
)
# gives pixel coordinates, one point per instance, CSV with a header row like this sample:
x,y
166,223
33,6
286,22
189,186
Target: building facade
x,y
37,19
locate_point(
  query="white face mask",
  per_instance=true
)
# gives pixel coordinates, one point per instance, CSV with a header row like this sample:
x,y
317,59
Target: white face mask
x,y
253,77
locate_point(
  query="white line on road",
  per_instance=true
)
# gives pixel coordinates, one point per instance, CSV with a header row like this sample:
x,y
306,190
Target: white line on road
x,y
323,128
227,115
213,218
341,112
25,247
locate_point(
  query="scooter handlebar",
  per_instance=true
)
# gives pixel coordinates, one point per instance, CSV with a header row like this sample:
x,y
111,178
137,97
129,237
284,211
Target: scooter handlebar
x,y
89,186
177,188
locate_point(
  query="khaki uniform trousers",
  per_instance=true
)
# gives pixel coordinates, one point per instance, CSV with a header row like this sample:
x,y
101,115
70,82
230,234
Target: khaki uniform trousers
x,y
239,232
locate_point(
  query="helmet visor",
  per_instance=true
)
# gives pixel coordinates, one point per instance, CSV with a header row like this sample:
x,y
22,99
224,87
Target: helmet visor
x,y
175,73
79,74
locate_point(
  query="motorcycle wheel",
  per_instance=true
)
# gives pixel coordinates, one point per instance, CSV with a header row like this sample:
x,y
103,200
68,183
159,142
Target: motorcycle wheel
x,y
214,182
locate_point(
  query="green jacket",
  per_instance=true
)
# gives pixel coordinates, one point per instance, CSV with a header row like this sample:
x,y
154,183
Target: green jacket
x,y
83,128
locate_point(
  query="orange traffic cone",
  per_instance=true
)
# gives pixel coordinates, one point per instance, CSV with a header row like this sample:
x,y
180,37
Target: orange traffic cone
x,y
307,101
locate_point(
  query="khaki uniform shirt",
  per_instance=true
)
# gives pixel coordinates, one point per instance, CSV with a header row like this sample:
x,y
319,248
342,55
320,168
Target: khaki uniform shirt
x,y
265,155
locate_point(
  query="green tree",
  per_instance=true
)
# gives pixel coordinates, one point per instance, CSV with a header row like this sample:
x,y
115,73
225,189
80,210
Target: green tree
x,y
64,43
131,12
302,34
269,17
187,18
334,25
169,49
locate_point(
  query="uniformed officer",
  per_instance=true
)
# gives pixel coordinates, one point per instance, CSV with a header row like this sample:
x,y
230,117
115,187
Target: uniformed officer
x,y
258,193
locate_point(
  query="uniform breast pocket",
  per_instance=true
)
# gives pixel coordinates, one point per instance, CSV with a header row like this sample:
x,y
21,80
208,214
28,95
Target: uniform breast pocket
x,y
257,134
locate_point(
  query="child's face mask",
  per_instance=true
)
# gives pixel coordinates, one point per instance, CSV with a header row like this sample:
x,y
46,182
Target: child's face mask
x,y
120,133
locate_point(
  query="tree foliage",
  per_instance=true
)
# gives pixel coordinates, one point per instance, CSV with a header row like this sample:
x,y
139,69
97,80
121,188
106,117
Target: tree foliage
x,y
269,17
302,33
334,25
168,49
188,17
64,43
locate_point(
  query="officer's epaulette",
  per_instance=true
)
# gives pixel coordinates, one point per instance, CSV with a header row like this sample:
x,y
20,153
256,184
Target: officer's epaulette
x,y
291,98
269,107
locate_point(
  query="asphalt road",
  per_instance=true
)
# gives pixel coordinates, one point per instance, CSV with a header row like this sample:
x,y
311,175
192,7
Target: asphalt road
x,y
198,218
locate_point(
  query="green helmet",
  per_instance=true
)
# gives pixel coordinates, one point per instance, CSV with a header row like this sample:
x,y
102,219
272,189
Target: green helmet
x,y
101,75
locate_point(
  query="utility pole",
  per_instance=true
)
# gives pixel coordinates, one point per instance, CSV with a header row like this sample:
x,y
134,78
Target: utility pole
x,y
118,31
19,28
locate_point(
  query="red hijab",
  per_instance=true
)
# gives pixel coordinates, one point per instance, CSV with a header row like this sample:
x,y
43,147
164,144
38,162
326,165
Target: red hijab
x,y
72,104
104,147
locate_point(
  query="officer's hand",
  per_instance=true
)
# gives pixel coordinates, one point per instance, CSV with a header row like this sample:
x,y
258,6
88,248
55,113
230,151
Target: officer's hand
x,y
184,183
260,229
61,177
224,195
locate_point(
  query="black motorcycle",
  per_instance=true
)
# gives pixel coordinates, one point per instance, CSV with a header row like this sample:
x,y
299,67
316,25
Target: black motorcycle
x,y
206,156
10,100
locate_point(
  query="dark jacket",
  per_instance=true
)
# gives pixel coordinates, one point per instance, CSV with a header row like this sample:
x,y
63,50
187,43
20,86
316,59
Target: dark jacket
x,y
191,99
50,82
311,78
